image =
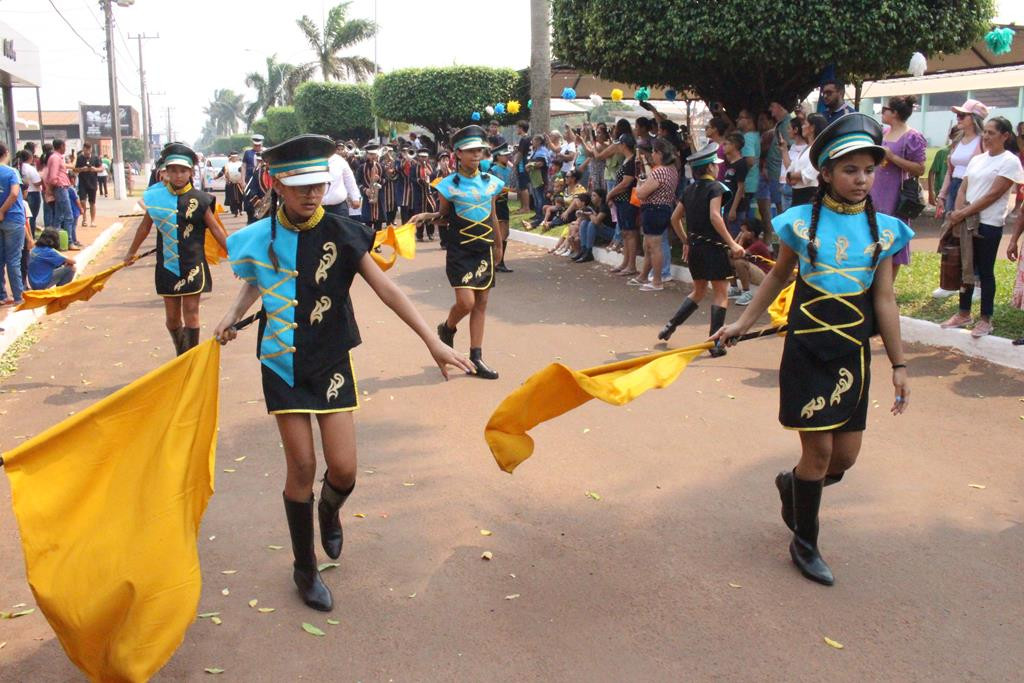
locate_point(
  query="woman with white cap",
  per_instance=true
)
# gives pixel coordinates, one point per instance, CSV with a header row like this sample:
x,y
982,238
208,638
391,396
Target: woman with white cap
x,y
970,119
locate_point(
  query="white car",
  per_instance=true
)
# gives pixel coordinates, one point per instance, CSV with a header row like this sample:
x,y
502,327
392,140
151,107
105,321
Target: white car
x,y
213,166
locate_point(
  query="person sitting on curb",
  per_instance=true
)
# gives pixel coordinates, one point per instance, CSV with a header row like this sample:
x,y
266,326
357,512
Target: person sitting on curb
x,y
47,267
751,271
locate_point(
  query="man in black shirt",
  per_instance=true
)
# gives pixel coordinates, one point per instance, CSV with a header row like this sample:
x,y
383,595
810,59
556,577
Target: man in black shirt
x,y
87,165
521,157
734,178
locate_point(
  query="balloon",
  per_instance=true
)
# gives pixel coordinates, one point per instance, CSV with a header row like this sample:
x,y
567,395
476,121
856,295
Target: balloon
x,y
617,95
499,108
529,104
568,94
514,106
670,95
642,93
918,64
597,100
489,110
475,116
999,40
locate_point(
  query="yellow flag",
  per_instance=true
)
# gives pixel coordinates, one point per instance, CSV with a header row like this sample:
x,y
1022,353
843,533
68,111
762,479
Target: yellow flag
x,y
211,247
109,503
402,241
557,389
56,299
779,309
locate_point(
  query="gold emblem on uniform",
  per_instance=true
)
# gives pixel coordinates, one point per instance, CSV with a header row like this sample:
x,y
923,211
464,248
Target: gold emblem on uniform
x,y
187,232
467,278
482,268
193,273
337,382
813,406
842,386
321,307
326,261
842,244
193,204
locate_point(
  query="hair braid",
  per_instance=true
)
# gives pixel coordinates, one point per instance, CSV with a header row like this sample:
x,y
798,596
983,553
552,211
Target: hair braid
x,y
812,232
869,211
271,254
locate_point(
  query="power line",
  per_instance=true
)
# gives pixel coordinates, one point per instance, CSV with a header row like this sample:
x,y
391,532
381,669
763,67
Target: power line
x,y
74,30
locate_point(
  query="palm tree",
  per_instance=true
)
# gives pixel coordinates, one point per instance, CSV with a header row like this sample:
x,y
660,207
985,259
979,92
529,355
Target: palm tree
x,y
224,111
339,33
540,65
276,87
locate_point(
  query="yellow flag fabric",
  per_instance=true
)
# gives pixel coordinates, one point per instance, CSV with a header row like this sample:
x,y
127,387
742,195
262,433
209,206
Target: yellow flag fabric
x,y
779,309
108,503
211,247
56,299
402,241
557,389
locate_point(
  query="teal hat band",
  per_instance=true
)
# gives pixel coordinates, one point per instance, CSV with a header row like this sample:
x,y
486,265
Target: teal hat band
x,y
284,170
178,159
471,142
845,143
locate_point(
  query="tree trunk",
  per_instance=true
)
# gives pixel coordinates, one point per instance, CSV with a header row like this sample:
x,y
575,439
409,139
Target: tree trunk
x,y
540,66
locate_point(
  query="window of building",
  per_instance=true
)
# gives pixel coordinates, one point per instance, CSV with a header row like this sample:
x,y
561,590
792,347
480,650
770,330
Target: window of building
x,y
942,101
998,97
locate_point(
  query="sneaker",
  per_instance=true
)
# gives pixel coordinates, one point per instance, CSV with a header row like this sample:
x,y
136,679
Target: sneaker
x,y
734,292
636,282
982,328
745,298
958,320
667,278
648,287
941,293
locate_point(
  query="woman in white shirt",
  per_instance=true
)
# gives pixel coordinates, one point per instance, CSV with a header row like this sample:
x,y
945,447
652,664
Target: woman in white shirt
x,y
800,174
970,118
987,190
30,176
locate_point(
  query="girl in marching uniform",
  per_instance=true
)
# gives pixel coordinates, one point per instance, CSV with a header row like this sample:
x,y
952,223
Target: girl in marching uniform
x,y
300,261
844,294
182,215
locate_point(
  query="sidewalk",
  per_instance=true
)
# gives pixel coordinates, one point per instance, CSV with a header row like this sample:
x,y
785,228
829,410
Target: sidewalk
x,y
108,224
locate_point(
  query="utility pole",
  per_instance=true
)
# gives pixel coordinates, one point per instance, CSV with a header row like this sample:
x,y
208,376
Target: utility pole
x,y
115,110
147,145
170,131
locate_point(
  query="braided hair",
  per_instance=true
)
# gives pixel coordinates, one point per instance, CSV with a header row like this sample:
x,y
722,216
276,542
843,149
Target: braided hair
x,y
869,213
271,254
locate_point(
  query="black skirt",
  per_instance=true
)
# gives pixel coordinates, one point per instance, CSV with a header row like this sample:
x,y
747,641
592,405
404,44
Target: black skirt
x,y
469,269
501,208
709,262
195,280
823,395
331,389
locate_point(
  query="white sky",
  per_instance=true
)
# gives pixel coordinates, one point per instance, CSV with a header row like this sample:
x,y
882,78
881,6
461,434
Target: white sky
x,y
210,44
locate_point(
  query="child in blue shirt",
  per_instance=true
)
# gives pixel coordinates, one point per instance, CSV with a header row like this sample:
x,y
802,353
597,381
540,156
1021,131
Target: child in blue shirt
x,y
76,213
47,267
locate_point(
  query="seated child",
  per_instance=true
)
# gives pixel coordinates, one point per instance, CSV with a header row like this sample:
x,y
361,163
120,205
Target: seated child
x,y
47,267
752,271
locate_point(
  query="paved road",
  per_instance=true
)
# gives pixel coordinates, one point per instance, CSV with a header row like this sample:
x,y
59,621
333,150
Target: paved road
x,y
635,586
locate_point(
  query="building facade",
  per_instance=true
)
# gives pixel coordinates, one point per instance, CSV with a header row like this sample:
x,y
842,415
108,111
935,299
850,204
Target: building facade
x,y
19,68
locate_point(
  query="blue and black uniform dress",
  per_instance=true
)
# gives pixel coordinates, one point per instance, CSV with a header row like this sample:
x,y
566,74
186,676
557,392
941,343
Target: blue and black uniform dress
x,y
307,326
179,219
253,190
825,371
708,254
470,236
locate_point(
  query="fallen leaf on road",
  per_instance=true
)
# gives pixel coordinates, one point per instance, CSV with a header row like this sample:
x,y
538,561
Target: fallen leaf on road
x,y
225,591
213,670
977,486
411,595
512,597
327,565
486,532
333,622
3,645
833,643
369,471
275,547
265,610
360,515
240,458
15,615
207,615
487,555
19,605
312,630
734,585
593,495
408,483
730,396
229,572
216,621
587,430
253,602
229,470
212,537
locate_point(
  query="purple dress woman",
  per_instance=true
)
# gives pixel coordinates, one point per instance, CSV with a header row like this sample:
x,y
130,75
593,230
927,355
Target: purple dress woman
x,y
885,193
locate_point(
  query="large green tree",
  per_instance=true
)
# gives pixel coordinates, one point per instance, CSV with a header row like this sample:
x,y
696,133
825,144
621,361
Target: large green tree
x,y
275,87
745,53
339,33
441,98
224,111
338,110
282,123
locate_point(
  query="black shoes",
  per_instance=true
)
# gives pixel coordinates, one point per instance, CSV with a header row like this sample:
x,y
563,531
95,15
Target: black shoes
x,y
502,268
717,321
803,549
191,338
446,334
684,312
331,535
312,588
784,483
585,256
482,370
178,338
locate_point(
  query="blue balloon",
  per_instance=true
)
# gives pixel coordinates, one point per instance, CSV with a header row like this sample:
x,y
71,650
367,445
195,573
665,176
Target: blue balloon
x,y
670,95
475,116
568,94
499,108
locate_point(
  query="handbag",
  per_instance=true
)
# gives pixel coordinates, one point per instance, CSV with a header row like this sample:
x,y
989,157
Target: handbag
x,y
950,263
633,198
909,205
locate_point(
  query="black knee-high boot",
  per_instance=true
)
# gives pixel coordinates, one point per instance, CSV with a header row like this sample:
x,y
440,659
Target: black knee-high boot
x,y
482,369
684,312
717,321
331,500
312,588
446,334
804,546
191,335
784,483
178,337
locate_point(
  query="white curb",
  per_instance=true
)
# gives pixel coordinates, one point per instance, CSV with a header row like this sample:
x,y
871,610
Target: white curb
x,y
993,349
16,323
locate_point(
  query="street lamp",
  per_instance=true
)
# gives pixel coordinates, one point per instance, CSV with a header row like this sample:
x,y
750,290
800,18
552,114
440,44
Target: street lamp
x,y
115,110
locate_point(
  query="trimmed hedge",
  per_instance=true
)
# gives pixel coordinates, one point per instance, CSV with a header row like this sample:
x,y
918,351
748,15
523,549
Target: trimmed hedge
x,y
338,110
227,143
282,123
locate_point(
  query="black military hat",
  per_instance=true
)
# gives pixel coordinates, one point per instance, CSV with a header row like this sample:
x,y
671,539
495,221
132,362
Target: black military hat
x,y
501,150
708,154
178,154
371,147
302,160
849,133
470,137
